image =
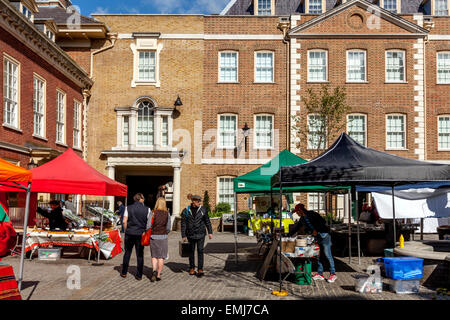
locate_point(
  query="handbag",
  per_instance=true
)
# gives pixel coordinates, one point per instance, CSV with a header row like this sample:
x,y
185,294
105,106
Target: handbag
x,y
145,240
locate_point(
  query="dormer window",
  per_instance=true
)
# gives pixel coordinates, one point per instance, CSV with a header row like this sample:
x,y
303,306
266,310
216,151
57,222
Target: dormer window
x,y
390,5
27,12
264,7
315,6
441,7
50,34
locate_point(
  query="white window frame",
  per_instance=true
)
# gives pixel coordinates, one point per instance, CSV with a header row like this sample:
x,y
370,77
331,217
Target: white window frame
x,y
386,66
320,202
434,8
398,4
219,144
219,66
307,7
128,132
365,65
437,67
63,141
255,145
77,124
256,8
16,124
44,107
28,13
256,66
326,66
309,145
154,133
49,33
149,67
439,133
218,190
365,125
404,131
146,44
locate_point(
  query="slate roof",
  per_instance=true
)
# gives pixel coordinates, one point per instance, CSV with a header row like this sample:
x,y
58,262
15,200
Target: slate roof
x,y
61,16
288,7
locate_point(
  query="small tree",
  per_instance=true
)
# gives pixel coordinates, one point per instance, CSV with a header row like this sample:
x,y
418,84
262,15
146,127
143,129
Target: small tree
x,y
206,204
325,115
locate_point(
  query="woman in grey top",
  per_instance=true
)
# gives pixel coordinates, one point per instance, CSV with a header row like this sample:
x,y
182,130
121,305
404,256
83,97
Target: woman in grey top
x,y
159,243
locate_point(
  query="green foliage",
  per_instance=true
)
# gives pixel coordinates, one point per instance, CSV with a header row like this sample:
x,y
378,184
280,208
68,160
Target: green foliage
x,y
221,207
330,109
206,204
331,217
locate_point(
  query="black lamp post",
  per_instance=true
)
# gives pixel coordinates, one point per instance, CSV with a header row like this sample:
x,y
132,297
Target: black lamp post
x,y
246,130
178,103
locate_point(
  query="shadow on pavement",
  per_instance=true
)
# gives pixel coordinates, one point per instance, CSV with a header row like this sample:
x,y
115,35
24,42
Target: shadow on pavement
x,y
177,267
132,270
227,247
28,284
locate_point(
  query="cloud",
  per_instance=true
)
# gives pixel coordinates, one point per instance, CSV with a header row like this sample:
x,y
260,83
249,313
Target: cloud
x,y
101,10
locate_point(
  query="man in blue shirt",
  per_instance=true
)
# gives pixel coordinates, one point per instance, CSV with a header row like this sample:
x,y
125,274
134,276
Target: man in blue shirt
x,y
313,222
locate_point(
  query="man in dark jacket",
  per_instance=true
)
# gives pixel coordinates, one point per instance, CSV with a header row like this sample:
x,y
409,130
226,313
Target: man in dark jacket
x,y
55,216
313,222
121,211
135,225
194,222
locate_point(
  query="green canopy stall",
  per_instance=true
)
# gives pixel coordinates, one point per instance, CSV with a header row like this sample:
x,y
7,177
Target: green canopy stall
x,y
259,181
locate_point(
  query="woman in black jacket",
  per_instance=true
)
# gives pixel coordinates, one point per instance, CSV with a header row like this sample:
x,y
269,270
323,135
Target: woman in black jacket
x,y
194,222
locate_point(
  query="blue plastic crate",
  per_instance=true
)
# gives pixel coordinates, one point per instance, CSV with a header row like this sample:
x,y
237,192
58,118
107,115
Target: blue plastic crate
x,y
403,268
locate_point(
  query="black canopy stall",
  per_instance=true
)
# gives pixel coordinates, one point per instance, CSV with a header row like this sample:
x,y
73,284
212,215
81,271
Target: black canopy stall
x,y
348,163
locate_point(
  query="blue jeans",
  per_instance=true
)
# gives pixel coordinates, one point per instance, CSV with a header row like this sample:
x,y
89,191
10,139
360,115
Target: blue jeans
x,y
325,248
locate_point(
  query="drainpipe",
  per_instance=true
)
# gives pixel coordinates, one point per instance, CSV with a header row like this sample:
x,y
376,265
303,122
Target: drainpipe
x,y
284,27
112,37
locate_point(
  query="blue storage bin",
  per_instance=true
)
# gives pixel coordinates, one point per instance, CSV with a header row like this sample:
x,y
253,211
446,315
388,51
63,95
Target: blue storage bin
x,y
403,268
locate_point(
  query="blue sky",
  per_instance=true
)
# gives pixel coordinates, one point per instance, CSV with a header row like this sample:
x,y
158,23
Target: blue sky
x,y
151,6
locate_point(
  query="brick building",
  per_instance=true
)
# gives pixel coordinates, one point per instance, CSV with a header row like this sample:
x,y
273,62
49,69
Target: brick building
x,y
42,89
220,68
392,57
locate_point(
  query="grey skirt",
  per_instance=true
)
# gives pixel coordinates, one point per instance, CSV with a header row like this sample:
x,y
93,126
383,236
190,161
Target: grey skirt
x,y
159,248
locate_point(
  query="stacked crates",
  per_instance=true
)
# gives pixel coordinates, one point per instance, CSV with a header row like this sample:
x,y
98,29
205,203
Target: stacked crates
x,y
405,273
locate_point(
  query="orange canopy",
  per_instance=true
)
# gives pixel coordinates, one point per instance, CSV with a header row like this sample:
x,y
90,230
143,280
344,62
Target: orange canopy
x,y
13,173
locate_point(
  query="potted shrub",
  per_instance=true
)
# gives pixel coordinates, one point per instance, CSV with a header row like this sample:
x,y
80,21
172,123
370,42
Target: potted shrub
x,y
216,215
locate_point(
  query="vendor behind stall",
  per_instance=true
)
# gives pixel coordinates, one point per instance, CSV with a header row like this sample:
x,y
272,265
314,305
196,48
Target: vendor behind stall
x,y
314,223
55,216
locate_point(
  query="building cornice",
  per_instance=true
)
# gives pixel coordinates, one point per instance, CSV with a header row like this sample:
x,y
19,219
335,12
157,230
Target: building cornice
x,y
27,33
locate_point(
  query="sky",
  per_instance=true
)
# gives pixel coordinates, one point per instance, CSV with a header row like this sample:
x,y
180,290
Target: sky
x,y
88,7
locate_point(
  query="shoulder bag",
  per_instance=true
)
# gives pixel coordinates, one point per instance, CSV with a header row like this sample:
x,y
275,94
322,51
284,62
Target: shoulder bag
x,y
145,240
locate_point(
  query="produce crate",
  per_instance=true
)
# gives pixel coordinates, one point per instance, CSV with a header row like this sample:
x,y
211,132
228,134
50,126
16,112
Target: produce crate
x,y
49,254
405,285
303,273
403,268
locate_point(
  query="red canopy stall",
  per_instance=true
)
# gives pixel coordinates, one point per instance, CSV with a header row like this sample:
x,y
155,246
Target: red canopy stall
x,y
70,174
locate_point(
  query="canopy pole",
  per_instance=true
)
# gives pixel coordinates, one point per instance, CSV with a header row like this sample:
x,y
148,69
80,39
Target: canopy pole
x,y
272,213
357,227
393,216
25,226
349,225
421,228
100,232
281,228
235,229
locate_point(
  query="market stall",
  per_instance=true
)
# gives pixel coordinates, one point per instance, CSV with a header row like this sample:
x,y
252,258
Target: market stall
x,y
18,179
70,174
349,163
258,181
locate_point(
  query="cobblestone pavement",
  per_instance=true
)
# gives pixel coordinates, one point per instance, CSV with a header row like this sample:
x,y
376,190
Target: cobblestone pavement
x,y
223,278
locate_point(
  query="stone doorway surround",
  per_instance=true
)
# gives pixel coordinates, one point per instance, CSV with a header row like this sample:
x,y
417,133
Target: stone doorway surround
x,y
140,159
